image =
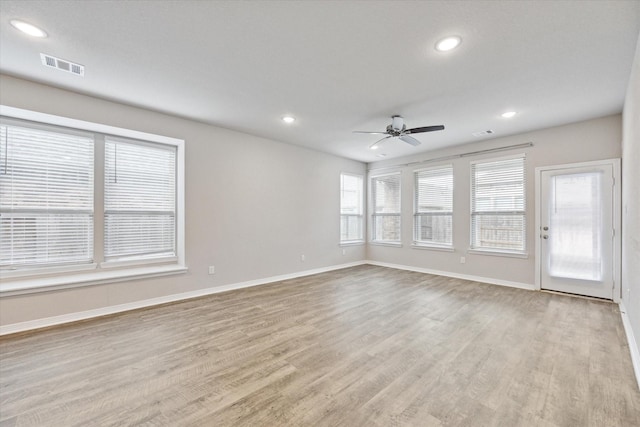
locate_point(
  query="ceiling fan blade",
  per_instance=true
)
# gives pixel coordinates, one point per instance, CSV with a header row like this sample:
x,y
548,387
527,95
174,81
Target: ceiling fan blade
x,y
370,133
379,141
425,129
409,140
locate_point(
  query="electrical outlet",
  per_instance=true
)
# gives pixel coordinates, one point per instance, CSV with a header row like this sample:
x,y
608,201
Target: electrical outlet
x,y
462,260
302,258
212,269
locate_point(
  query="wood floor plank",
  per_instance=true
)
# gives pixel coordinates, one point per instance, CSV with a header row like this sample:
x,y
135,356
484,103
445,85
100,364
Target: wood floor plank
x,y
363,346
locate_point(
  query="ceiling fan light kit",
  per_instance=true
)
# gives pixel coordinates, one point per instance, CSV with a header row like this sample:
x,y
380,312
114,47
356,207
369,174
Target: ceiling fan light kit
x,y
448,43
398,129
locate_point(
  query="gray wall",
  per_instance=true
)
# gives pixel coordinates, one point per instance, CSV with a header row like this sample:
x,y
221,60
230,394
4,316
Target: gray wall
x,y
578,142
631,201
253,206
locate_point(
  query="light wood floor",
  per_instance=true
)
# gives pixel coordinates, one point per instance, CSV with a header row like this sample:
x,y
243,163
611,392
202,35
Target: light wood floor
x,y
364,346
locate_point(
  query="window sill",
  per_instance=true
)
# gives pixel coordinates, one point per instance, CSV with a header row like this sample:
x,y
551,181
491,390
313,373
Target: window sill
x,y
433,247
392,244
523,255
352,243
44,284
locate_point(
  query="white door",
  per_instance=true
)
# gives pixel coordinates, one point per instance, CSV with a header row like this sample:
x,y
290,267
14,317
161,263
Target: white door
x,y
577,230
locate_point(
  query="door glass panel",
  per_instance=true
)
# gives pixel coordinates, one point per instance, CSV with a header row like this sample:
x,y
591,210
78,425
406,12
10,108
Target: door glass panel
x,y
575,231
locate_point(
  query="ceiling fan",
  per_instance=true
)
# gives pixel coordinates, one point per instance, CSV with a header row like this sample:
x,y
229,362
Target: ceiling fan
x,y
397,129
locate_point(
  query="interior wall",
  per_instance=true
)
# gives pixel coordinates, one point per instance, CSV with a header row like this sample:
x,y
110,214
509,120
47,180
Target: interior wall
x,y
631,201
595,139
253,206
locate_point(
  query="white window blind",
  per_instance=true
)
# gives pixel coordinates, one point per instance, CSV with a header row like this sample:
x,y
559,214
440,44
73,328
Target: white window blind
x,y
351,208
385,194
46,196
433,216
139,200
498,205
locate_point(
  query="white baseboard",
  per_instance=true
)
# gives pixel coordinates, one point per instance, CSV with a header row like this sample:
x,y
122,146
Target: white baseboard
x,y
103,311
634,349
472,278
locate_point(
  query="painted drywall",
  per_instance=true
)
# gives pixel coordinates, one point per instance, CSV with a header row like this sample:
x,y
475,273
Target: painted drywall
x,y
578,142
631,202
253,205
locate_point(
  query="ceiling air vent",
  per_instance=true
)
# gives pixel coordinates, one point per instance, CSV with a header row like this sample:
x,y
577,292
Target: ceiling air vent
x,y
61,64
483,133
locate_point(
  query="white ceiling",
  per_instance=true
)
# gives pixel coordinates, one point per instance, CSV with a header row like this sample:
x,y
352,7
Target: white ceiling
x,y
339,66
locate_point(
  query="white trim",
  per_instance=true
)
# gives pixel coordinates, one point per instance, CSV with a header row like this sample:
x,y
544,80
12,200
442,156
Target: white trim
x,y
33,272
383,243
502,253
432,247
617,219
352,243
138,262
634,347
51,119
54,283
89,314
472,278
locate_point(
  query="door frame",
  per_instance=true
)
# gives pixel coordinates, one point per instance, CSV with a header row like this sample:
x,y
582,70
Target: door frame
x,y
617,219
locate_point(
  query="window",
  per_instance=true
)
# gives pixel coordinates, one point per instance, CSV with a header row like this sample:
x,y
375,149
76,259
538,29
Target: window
x,y
139,200
78,196
351,209
433,205
498,205
46,197
385,201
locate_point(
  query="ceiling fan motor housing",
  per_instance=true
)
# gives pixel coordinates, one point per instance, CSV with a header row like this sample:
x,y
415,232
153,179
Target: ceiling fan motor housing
x,y
397,123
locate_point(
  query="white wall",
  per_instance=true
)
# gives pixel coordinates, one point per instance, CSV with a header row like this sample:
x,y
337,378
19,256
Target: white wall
x,y
631,203
253,205
578,142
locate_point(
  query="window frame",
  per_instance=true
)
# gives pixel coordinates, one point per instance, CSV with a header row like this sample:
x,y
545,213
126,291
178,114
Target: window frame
x,y
113,260
425,244
15,282
360,216
506,252
373,215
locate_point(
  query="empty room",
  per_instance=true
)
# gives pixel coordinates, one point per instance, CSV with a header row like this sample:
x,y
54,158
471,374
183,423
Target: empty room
x,y
319,213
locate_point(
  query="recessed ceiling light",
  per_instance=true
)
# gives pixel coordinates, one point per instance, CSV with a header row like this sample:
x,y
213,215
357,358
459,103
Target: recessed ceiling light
x,y
509,114
448,43
374,147
288,119
27,28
